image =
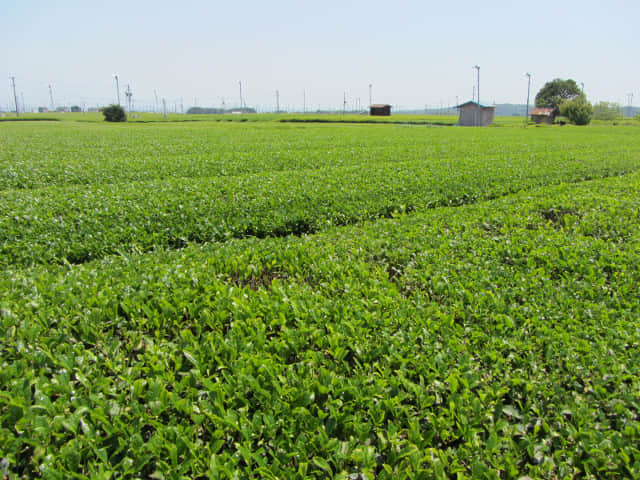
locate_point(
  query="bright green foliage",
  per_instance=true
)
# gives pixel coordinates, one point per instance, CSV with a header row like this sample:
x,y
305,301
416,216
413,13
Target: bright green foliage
x,y
130,191
607,111
114,113
579,112
558,91
492,340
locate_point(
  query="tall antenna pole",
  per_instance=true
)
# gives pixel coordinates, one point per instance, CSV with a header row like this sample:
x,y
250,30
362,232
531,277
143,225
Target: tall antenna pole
x,y
344,105
24,109
241,102
53,105
115,75
15,97
129,95
370,96
477,67
304,102
155,94
526,118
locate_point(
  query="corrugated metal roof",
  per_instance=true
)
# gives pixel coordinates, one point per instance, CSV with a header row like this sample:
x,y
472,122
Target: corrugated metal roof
x,y
542,111
474,103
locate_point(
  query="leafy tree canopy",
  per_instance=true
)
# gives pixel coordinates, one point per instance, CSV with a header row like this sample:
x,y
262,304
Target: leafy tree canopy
x,y
558,91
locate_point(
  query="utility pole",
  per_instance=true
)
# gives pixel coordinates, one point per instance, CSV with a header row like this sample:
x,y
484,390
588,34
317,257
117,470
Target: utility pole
x,y
129,95
155,94
241,101
277,101
477,67
344,104
115,75
53,107
370,96
304,102
15,97
526,117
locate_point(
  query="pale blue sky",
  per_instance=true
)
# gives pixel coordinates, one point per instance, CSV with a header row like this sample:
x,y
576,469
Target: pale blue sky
x,y
415,53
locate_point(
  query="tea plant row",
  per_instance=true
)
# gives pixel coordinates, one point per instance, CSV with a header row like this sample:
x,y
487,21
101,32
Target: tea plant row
x,y
493,340
67,153
78,223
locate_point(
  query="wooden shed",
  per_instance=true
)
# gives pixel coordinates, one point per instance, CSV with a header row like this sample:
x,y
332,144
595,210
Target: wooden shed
x,y
473,114
542,115
380,110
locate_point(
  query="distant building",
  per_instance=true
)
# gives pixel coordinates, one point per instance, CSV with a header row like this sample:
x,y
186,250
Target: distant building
x,y
76,109
380,110
542,115
472,114
43,109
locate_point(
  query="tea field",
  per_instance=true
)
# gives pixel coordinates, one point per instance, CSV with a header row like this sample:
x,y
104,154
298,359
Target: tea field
x,y
301,300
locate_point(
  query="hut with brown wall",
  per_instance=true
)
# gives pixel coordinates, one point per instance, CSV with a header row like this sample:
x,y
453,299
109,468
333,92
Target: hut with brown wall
x,y
543,115
380,110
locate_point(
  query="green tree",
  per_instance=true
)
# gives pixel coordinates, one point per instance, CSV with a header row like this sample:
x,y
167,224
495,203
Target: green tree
x,y
607,111
578,111
558,91
114,113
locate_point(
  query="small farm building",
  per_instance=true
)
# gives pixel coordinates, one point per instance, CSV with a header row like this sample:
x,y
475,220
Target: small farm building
x,y
380,110
543,115
472,114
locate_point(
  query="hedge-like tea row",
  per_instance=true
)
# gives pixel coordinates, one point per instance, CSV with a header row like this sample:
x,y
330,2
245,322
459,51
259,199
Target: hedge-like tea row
x,y
79,223
489,341
67,153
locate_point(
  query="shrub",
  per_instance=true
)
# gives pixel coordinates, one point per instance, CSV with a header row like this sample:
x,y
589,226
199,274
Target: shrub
x,y
579,112
114,113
